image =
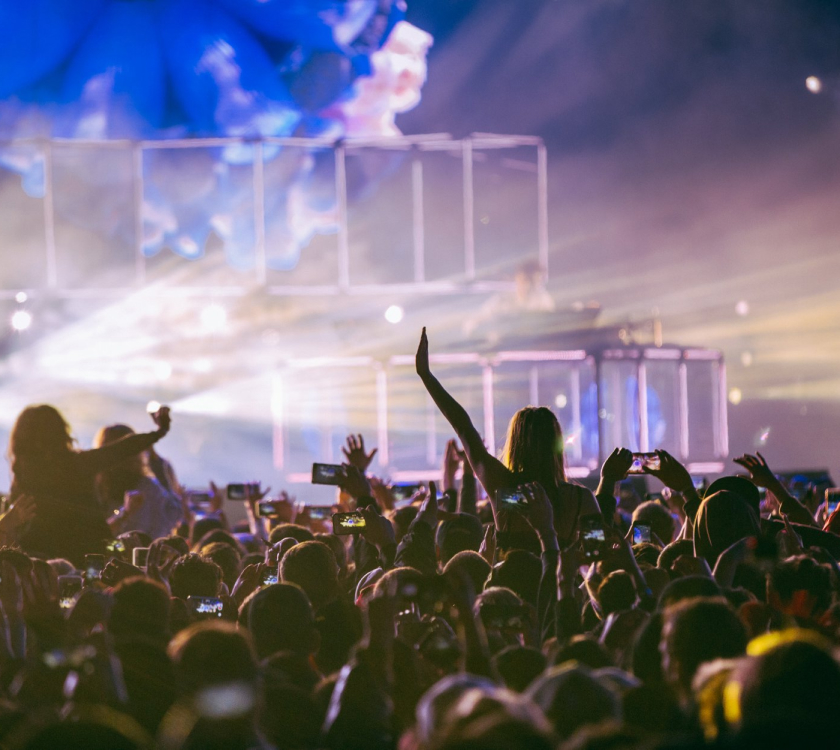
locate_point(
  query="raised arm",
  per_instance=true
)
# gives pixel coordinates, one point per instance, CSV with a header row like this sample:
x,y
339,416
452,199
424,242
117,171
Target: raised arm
x,y
100,459
491,472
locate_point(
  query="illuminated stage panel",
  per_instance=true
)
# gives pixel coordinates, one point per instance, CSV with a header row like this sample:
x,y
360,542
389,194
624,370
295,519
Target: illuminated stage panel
x,y
706,386
506,210
417,433
663,405
319,406
185,191
380,221
302,223
23,254
567,387
443,211
619,406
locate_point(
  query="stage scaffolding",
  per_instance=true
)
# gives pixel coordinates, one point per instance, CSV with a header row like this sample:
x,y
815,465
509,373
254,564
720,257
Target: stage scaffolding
x,y
468,150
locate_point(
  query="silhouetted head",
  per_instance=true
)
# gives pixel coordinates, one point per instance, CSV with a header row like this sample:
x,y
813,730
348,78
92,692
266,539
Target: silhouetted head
x,y
280,618
312,566
534,446
39,433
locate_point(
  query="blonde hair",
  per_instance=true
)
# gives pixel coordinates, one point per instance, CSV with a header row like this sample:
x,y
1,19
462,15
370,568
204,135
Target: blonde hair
x,y
534,446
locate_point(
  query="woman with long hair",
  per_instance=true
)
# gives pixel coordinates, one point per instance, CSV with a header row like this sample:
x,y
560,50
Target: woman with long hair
x,y
149,507
533,453
47,466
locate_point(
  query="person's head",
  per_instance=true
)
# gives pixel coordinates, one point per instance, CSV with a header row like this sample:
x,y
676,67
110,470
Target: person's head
x,y
696,631
401,518
470,564
131,468
219,535
534,446
399,582
280,618
742,487
659,519
209,654
585,650
140,608
689,587
571,698
336,544
203,526
670,553
194,575
226,557
502,613
800,587
616,593
39,433
722,519
790,677
519,666
293,530
460,532
312,566
520,572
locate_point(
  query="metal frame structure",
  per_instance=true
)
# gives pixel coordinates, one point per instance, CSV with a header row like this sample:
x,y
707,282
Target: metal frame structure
x,y
464,148
487,364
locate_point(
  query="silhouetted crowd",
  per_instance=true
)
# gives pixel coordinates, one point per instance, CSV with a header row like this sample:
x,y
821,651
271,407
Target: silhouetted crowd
x,y
502,606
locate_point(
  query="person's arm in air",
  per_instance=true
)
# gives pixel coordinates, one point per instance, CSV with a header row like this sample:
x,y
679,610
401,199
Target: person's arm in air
x,y
100,459
360,714
676,478
541,517
417,548
491,472
762,476
615,469
468,497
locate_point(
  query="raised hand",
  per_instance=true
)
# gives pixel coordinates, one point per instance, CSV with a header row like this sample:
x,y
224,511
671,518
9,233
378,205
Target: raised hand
x,y
162,419
354,482
378,530
617,465
672,473
760,473
540,513
382,494
421,360
428,512
452,460
355,452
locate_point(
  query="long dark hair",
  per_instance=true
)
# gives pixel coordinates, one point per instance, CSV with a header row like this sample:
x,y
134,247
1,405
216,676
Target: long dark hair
x,y
534,446
40,437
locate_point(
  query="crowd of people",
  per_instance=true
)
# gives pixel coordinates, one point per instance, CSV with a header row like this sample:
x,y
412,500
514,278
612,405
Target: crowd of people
x,y
500,607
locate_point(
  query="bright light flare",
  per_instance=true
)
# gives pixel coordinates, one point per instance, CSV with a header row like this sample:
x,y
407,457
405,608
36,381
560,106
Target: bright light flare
x,y
153,407
21,320
21,297
214,317
560,400
813,84
735,396
742,308
394,314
